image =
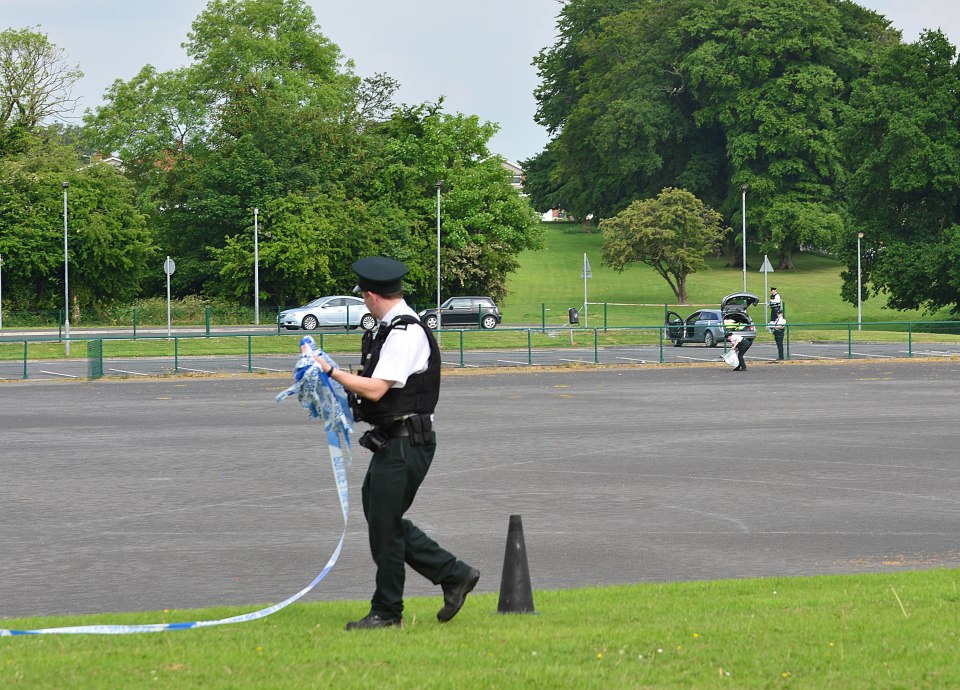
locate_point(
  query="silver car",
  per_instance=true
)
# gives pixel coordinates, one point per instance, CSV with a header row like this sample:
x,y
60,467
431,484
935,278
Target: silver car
x,y
337,310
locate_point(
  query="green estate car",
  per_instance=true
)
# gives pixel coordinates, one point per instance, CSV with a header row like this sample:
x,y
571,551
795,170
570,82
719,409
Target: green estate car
x,y
713,326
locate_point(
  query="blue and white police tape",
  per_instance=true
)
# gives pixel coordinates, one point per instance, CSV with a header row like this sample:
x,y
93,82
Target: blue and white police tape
x,y
322,398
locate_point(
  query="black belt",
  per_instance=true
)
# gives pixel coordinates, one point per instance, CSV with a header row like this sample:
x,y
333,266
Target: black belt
x,y
399,427
396,429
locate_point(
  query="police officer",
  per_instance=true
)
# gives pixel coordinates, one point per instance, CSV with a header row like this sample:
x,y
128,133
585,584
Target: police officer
x,y
776,303
777,327
740,344
396,392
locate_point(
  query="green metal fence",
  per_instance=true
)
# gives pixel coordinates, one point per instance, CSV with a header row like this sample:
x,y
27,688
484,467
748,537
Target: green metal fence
x,y
127,355
95,359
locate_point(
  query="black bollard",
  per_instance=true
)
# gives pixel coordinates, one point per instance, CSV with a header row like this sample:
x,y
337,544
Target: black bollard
x,y
516,595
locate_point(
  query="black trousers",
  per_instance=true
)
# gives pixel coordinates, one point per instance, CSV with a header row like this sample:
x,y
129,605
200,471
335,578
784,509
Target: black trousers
x,y
778,336
741,349
389,487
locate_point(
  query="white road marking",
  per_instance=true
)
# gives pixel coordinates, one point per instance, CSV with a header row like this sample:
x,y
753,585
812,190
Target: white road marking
x,y
57,373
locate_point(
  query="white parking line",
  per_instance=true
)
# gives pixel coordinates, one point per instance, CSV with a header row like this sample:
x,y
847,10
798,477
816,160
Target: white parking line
x,y
265,369
699,359
457,365
633,359
124,371
870,354
795,354
57,373
200,371
521,364
930,353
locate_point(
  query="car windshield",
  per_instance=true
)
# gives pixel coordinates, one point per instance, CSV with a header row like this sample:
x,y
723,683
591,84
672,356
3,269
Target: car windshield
x,y
315,303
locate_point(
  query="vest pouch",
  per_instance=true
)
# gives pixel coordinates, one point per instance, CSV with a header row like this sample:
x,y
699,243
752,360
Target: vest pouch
x,y
355,407
420,428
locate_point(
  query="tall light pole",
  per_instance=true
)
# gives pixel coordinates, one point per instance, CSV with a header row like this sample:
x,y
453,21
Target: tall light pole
x,y
256,269
859,301
743,190
439,318
66,272
1,290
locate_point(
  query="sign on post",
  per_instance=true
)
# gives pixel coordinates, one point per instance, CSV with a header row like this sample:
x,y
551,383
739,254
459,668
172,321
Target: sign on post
x,y
169,267
765,269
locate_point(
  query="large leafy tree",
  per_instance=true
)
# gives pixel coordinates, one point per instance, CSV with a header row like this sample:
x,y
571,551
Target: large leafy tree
x,y
709,96
773,77
672,233
269,116
109,247
484,222
260,113
902,143
110,250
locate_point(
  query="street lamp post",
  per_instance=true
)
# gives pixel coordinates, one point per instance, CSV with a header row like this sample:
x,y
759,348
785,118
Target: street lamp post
x,y
743,190
256,269
66,272
439,317
859,300
1,291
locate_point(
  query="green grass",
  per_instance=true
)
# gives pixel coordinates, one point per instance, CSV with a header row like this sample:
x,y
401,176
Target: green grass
x,y
852,631
552,276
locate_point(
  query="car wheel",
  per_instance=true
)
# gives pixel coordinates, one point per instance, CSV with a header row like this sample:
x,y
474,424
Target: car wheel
x,y
709,340
488,322
678,343
430,322
309,322
368,322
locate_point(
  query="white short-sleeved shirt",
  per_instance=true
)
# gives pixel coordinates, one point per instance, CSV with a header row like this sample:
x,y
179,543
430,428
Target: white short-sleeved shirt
x,y
405,352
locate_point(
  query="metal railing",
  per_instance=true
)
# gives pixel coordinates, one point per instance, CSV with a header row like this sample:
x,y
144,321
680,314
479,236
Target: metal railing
x,y
123,355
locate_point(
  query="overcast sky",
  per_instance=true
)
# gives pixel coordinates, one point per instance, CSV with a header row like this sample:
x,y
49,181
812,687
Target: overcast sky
x,y
475,53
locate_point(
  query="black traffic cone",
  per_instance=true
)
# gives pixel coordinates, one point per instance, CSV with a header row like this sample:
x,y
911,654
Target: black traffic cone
x,y
516,595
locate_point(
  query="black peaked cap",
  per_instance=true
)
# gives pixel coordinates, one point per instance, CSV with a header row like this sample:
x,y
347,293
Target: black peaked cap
x,y
379,274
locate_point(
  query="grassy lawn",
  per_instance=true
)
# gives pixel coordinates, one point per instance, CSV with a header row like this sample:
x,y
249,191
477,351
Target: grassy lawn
x,y
853,631
552,277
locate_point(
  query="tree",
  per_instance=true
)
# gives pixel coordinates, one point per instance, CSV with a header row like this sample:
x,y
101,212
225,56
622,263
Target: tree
x,y
773,76
259,114
268,116
708,96
614,100
35,81
902,144
485,222
109,247
672,234
305,241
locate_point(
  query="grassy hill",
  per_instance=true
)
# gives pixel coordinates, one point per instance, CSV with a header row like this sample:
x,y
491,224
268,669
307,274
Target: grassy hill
x,y
551,279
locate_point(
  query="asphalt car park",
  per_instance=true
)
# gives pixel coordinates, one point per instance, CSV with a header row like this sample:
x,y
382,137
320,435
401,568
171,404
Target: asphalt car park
x,y
177,493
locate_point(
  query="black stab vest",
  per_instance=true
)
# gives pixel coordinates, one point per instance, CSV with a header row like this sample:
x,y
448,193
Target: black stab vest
x,y
418,396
